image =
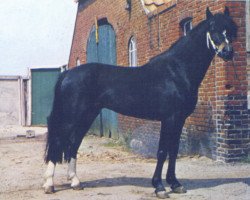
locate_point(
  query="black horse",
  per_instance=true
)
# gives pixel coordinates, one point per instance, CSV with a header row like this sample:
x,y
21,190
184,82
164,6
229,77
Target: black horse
x,y
164,89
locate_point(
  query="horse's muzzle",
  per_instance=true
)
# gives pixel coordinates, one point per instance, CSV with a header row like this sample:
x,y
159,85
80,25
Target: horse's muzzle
x,y
226,52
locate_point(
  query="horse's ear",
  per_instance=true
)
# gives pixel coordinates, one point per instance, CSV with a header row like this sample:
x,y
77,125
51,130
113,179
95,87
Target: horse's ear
x,y
226,11
208,13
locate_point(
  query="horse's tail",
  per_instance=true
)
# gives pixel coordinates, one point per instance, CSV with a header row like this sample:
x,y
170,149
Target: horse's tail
x,y
55,138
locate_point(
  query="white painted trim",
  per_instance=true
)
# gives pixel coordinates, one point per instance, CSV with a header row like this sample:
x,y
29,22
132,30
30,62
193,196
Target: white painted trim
x,y
132,50
185,26
248,100
248,47
144,7
20,93
29,99
248,26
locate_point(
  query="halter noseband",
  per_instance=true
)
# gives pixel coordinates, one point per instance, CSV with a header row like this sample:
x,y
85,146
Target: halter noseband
x,y
216,48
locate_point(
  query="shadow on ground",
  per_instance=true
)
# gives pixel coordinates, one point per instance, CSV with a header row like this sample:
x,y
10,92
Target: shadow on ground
x,y
190,184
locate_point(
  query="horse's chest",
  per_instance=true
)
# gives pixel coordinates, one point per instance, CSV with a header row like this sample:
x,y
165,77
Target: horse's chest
x,y
183,101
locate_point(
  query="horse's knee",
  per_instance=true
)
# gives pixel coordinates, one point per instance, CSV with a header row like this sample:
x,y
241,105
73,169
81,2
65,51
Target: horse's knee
x,y
162,155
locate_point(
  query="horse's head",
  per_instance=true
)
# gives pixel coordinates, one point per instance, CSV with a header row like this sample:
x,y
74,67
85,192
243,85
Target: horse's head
x,y
222,31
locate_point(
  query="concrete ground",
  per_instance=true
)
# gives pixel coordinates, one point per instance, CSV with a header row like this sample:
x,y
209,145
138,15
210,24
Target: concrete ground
x,y
110,172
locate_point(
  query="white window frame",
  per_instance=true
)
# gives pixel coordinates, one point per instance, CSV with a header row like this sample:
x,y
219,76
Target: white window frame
x,y
248,26
78,62
248,48
132,50
185,25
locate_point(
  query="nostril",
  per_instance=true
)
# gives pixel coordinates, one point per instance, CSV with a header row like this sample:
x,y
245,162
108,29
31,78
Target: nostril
x,y
225,50
228,50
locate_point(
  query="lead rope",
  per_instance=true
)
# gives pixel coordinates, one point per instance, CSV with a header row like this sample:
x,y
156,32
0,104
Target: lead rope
x,y
235,73
236,77
216,99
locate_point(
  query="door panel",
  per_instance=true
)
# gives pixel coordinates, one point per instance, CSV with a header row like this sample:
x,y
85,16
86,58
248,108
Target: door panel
x,y
42,90
103,52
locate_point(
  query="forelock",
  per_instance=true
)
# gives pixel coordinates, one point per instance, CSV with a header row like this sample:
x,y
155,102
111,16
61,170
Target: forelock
x,y
224,22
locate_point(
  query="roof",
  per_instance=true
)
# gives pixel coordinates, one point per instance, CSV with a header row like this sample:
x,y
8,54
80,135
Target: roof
x,y
11,77
153,5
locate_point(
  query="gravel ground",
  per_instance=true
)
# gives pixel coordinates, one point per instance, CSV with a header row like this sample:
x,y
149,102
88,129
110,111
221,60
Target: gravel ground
x,y
110,172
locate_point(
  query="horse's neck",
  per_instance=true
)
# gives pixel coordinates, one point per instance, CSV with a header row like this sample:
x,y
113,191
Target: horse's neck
x,y
197,56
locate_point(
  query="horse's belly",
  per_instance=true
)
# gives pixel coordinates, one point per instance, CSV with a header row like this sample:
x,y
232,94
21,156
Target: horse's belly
x,y
145,105
139,110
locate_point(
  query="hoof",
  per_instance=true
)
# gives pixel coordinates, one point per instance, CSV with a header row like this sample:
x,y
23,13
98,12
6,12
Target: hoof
x,y
179,190
78,187
162,194
49,190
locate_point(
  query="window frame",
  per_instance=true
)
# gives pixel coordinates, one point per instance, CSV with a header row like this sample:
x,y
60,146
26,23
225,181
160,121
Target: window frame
x,y
248,26
185,31
188,21
78,62
132,51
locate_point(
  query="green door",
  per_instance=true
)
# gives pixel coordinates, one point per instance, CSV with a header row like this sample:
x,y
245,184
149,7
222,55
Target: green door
x,y
42,89
103,52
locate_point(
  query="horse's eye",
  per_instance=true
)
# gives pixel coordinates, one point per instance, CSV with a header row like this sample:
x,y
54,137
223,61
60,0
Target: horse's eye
x,y
227,36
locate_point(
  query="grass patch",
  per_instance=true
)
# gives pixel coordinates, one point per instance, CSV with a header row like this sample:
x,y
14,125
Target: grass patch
x,y
246,159
113,143
123,142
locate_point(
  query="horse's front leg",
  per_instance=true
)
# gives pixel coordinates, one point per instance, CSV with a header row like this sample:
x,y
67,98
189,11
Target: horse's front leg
x,y
49,175
75,182
168,144
173,142
161,158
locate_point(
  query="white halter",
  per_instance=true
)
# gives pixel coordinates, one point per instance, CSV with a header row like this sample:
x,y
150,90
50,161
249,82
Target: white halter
x,y
216,48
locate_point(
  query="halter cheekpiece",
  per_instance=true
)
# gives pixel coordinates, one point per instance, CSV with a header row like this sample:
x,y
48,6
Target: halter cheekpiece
x,y
216,48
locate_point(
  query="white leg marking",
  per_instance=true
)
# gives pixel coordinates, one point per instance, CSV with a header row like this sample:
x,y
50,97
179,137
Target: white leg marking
x,y
75,182
49,174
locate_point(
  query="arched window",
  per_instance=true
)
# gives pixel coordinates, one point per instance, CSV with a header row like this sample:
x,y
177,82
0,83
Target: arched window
x,y
186,25
78,62
132,52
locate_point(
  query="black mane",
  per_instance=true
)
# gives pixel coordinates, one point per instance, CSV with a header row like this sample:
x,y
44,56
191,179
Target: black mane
x,y
222,21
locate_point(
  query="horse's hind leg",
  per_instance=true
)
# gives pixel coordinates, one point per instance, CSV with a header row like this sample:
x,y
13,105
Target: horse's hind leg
x,y
74,128
75,182
81,127
49,175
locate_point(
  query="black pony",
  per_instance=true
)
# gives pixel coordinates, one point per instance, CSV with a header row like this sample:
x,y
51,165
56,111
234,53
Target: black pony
x,y
164,89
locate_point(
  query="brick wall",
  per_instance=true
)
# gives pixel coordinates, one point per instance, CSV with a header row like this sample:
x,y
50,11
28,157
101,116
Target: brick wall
x,y
219,126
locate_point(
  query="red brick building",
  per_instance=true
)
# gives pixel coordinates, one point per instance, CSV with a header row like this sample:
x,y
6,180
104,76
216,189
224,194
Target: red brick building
x,y
219,127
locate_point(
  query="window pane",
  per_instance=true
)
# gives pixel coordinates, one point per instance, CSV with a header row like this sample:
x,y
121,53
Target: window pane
x,y
78,62
132,52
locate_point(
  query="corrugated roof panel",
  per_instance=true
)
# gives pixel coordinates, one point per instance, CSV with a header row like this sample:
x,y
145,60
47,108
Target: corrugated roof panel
x,y
155,2
152,5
